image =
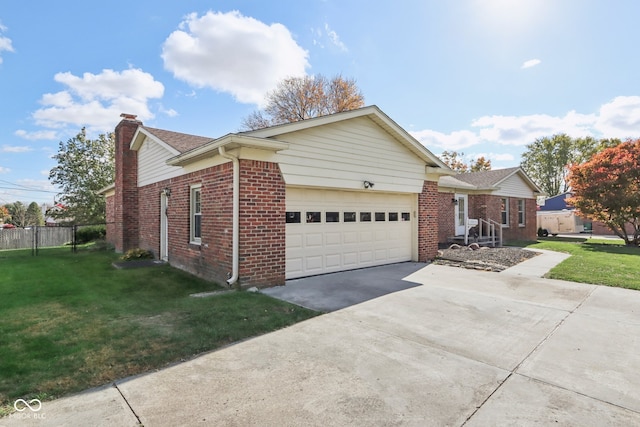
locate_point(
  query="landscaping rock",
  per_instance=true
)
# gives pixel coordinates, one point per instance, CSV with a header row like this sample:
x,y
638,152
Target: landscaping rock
x,y
487,259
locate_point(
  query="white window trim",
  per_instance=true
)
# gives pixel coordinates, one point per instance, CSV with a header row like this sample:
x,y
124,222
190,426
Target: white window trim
x,y
192,190
506,204
524,213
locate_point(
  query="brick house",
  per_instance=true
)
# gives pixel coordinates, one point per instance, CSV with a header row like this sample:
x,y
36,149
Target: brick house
x,y
338,192
503,197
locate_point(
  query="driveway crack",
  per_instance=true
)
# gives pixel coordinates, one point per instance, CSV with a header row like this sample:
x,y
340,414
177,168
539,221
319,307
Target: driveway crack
x,y
128,404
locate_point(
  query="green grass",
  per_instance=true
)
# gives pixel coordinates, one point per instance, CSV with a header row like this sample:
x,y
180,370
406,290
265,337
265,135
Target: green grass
x,y
596,261
69,322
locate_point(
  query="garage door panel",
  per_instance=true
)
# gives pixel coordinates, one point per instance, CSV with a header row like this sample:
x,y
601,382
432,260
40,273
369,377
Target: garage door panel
x,y
313,239
348,243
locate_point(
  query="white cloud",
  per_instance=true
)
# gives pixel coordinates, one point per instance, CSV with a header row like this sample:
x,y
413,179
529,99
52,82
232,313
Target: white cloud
x,y
97,100
530,63
335,39
4,170
498,157
522,130
232,53
452,141
37,135
5,42
618,118
15,149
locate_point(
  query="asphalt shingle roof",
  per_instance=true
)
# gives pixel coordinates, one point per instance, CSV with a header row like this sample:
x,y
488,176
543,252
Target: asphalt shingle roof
x,y
182,142
486,179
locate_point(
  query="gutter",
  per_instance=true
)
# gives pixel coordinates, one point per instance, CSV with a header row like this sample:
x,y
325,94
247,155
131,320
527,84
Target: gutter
x,y
236,215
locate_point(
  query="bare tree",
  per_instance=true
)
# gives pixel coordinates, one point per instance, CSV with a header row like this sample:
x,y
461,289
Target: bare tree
x,y
301,98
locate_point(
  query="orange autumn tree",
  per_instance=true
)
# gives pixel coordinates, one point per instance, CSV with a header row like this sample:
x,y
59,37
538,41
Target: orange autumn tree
x,y
607,189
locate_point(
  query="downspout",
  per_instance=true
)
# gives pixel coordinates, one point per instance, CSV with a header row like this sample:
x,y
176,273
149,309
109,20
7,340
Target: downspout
x,y
236,215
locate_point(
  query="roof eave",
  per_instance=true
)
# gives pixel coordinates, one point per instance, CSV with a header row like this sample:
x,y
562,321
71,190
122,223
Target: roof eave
x,y
229,141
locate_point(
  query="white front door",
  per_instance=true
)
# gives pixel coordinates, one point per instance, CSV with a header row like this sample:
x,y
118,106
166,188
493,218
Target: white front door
x,y
461,212
164,228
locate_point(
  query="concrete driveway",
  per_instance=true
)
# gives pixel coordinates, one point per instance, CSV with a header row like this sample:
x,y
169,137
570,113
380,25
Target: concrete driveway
x,y
467,348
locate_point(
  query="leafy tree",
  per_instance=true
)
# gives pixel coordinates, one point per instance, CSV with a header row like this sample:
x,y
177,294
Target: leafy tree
x,y
547,160
4,214
18,212
455,161
607,189
481,164
84,167
301,98
34,215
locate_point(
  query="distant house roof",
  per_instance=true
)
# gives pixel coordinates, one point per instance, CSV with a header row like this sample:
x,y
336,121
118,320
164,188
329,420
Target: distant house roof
x,y
556,203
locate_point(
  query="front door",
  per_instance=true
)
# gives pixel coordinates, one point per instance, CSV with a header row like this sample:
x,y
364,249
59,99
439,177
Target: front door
x,y
461,212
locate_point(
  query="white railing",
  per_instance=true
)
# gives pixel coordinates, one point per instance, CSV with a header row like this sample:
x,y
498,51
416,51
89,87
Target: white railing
x,y
492,236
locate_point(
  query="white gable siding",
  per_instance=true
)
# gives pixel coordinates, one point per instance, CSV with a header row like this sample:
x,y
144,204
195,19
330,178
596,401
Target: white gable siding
x,y
151,163
515,186
345,154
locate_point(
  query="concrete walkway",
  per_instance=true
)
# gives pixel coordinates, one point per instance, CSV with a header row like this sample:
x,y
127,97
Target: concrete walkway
x,y
467,348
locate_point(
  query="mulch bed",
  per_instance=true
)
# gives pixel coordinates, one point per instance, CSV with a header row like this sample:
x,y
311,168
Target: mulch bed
x,y
485,258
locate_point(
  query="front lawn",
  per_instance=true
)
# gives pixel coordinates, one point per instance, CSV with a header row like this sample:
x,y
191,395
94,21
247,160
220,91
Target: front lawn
x,y
600,262
69,321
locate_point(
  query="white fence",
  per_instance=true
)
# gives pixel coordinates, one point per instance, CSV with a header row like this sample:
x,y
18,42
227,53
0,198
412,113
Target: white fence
x,y
35,237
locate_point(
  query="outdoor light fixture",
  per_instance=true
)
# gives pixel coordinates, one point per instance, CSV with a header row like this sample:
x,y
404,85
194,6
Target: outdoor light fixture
x,y
454,201
167,192
368,184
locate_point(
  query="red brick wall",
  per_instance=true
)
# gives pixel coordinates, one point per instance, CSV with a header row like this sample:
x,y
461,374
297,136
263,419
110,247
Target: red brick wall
x,y
428,202
598,227
262,227
489,207
111,226
446,217
126,195
262,224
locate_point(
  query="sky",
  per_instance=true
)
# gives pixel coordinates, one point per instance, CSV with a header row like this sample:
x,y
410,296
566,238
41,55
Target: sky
x,y
483,77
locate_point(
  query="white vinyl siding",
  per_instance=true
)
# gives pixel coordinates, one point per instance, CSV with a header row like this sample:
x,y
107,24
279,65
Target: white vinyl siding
x,y
345,154
151,163
515,186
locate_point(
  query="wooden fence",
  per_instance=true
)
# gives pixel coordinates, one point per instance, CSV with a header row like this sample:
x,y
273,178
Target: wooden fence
x,y
35,237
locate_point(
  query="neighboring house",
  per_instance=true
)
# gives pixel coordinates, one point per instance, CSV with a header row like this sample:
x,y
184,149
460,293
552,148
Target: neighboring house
x,y
557,216
50,212
504,198
338,192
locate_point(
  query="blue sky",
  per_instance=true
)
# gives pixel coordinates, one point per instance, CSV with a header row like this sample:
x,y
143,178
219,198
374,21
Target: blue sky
x,y
484,77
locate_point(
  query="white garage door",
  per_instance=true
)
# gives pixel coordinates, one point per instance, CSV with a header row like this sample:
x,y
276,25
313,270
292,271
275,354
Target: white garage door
x,y
329,231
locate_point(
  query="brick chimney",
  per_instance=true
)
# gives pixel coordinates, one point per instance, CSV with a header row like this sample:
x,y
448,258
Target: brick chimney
x,y
126,191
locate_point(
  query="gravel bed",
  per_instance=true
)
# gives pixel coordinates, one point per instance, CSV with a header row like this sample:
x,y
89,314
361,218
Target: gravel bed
x,y
484,258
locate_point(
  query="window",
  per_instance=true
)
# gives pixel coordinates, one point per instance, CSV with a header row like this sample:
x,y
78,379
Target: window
x,y
504,211
406,216
393,216
314,217
349,217
521,212
380,216
332,217
365,216
293,218
196,215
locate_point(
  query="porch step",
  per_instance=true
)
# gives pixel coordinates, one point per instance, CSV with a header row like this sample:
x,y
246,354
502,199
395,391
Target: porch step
x,y
484,241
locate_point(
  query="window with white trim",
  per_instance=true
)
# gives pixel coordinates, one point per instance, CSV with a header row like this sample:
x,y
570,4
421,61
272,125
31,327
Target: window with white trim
x,y
521,217
196,215
504,211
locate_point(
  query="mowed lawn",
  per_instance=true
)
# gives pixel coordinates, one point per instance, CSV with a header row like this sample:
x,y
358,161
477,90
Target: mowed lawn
x,y
599,262
69,321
